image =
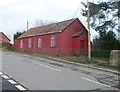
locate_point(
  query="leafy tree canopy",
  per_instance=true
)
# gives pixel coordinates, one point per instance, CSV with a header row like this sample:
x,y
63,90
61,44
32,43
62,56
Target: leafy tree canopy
x,y
17,34
107,41
103,15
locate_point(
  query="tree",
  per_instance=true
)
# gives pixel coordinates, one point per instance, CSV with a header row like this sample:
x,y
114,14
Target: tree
x,y
17,34
43,22
104,16
107,41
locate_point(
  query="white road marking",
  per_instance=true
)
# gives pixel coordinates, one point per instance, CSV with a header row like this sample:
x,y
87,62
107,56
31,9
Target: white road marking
x,y
20,87
1,73
12,82
95,82
47,66
6,77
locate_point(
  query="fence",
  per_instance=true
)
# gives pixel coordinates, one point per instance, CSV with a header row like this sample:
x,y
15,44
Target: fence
x,y
101,55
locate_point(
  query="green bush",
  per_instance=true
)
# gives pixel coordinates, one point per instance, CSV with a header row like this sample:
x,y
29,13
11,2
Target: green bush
x,y
8,46
101,53
0,45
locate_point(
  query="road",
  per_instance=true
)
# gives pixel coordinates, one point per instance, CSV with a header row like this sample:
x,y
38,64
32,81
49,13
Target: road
x,y
43,74
6,85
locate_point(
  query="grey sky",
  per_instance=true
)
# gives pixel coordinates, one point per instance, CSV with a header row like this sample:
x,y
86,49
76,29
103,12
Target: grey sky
x,y
15,13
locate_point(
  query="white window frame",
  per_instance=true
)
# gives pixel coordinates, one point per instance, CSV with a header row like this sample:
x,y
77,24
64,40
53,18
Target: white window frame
x,y
53,41
21,43
29,43
40,43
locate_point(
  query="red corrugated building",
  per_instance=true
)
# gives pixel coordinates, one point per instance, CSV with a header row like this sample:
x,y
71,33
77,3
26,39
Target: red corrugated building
x,y
63,38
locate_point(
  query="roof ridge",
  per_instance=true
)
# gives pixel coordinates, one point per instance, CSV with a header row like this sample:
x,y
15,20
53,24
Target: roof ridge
x,y
59,21
5,36
67,20
44,25
52,23
50,28
53,27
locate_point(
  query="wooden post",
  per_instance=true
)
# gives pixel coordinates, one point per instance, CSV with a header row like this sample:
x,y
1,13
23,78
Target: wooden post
x,y
89,45
27,25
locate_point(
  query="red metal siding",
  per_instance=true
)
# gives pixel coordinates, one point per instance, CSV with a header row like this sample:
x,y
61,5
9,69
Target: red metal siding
x,y
71,45
46,47
65,43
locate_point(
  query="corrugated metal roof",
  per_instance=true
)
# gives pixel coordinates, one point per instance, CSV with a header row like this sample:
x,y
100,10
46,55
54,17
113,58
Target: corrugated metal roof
x,y
48,29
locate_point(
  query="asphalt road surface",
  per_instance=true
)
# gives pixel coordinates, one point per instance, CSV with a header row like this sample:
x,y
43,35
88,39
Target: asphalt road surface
x,y
7,85
44,74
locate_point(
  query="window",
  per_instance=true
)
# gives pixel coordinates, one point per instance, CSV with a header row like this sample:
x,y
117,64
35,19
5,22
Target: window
x,y
39,43
21,43
29,43
52,40
82,44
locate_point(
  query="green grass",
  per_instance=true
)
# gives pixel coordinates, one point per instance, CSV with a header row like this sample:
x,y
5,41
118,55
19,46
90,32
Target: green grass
x,y
76,58
101,60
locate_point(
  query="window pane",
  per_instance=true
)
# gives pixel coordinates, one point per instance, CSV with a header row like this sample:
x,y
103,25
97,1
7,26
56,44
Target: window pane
x,y
21,43
39,43
53,41
29,43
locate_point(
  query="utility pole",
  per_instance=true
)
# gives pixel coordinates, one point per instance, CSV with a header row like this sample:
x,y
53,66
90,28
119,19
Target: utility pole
x,y
89,44
27,25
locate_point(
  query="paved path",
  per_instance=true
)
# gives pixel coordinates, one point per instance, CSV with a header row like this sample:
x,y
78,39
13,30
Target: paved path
x,y
44,74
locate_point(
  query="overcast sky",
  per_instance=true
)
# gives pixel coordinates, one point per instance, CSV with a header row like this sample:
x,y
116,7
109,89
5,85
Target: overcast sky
x,y
14,14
